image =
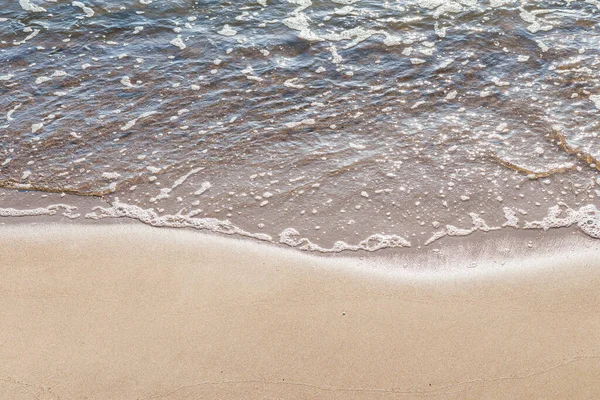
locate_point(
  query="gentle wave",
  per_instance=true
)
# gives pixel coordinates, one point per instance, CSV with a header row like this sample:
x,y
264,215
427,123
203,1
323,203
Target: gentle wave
x,y
354,121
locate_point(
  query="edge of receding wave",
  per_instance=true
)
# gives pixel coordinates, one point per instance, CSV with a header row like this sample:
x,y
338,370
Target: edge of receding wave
x,y
586,219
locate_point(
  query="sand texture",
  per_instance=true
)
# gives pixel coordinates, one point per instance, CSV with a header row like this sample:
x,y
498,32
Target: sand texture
x,y
131,312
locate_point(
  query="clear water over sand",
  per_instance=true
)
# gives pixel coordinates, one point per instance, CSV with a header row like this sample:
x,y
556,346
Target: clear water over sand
x,y
328,120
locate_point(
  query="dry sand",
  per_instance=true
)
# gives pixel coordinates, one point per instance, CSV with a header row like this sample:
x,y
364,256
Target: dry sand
x,y
131,312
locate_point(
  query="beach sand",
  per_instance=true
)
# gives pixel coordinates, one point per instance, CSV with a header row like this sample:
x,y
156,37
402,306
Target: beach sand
x,y
132,312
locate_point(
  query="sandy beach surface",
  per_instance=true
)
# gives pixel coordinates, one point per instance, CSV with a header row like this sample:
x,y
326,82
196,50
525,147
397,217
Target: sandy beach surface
x,y
132,312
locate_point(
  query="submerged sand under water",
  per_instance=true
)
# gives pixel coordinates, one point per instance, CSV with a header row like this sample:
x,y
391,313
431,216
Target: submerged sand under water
x,y
133,312
337,119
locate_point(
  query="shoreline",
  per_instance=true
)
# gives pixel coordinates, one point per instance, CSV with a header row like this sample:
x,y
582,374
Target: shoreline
x,y
134,312
552,225
522,242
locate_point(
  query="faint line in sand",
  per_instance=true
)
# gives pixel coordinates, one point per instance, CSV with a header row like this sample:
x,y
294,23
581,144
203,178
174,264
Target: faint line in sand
x,y
425,392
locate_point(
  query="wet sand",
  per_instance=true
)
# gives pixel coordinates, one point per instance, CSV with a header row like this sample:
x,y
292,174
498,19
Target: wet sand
x,y
132,312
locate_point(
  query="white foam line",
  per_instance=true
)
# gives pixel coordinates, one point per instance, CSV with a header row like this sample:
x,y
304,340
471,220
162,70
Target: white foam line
x,y
291,237
587,219
150,217
32,212
298,21
181,180
288,237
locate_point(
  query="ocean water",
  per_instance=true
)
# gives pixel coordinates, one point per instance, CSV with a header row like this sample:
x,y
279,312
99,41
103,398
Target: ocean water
x,y
326,125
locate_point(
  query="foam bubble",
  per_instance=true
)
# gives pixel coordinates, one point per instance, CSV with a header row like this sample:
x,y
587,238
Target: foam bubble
x,y
511,218
27,5
227,31
42,79
587,219
291,237
596,100
291,83
131,123
178,42
111,175
36,127
126,81
203,188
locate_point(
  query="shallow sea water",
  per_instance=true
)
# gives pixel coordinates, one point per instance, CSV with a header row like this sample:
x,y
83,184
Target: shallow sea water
x,y
372,123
